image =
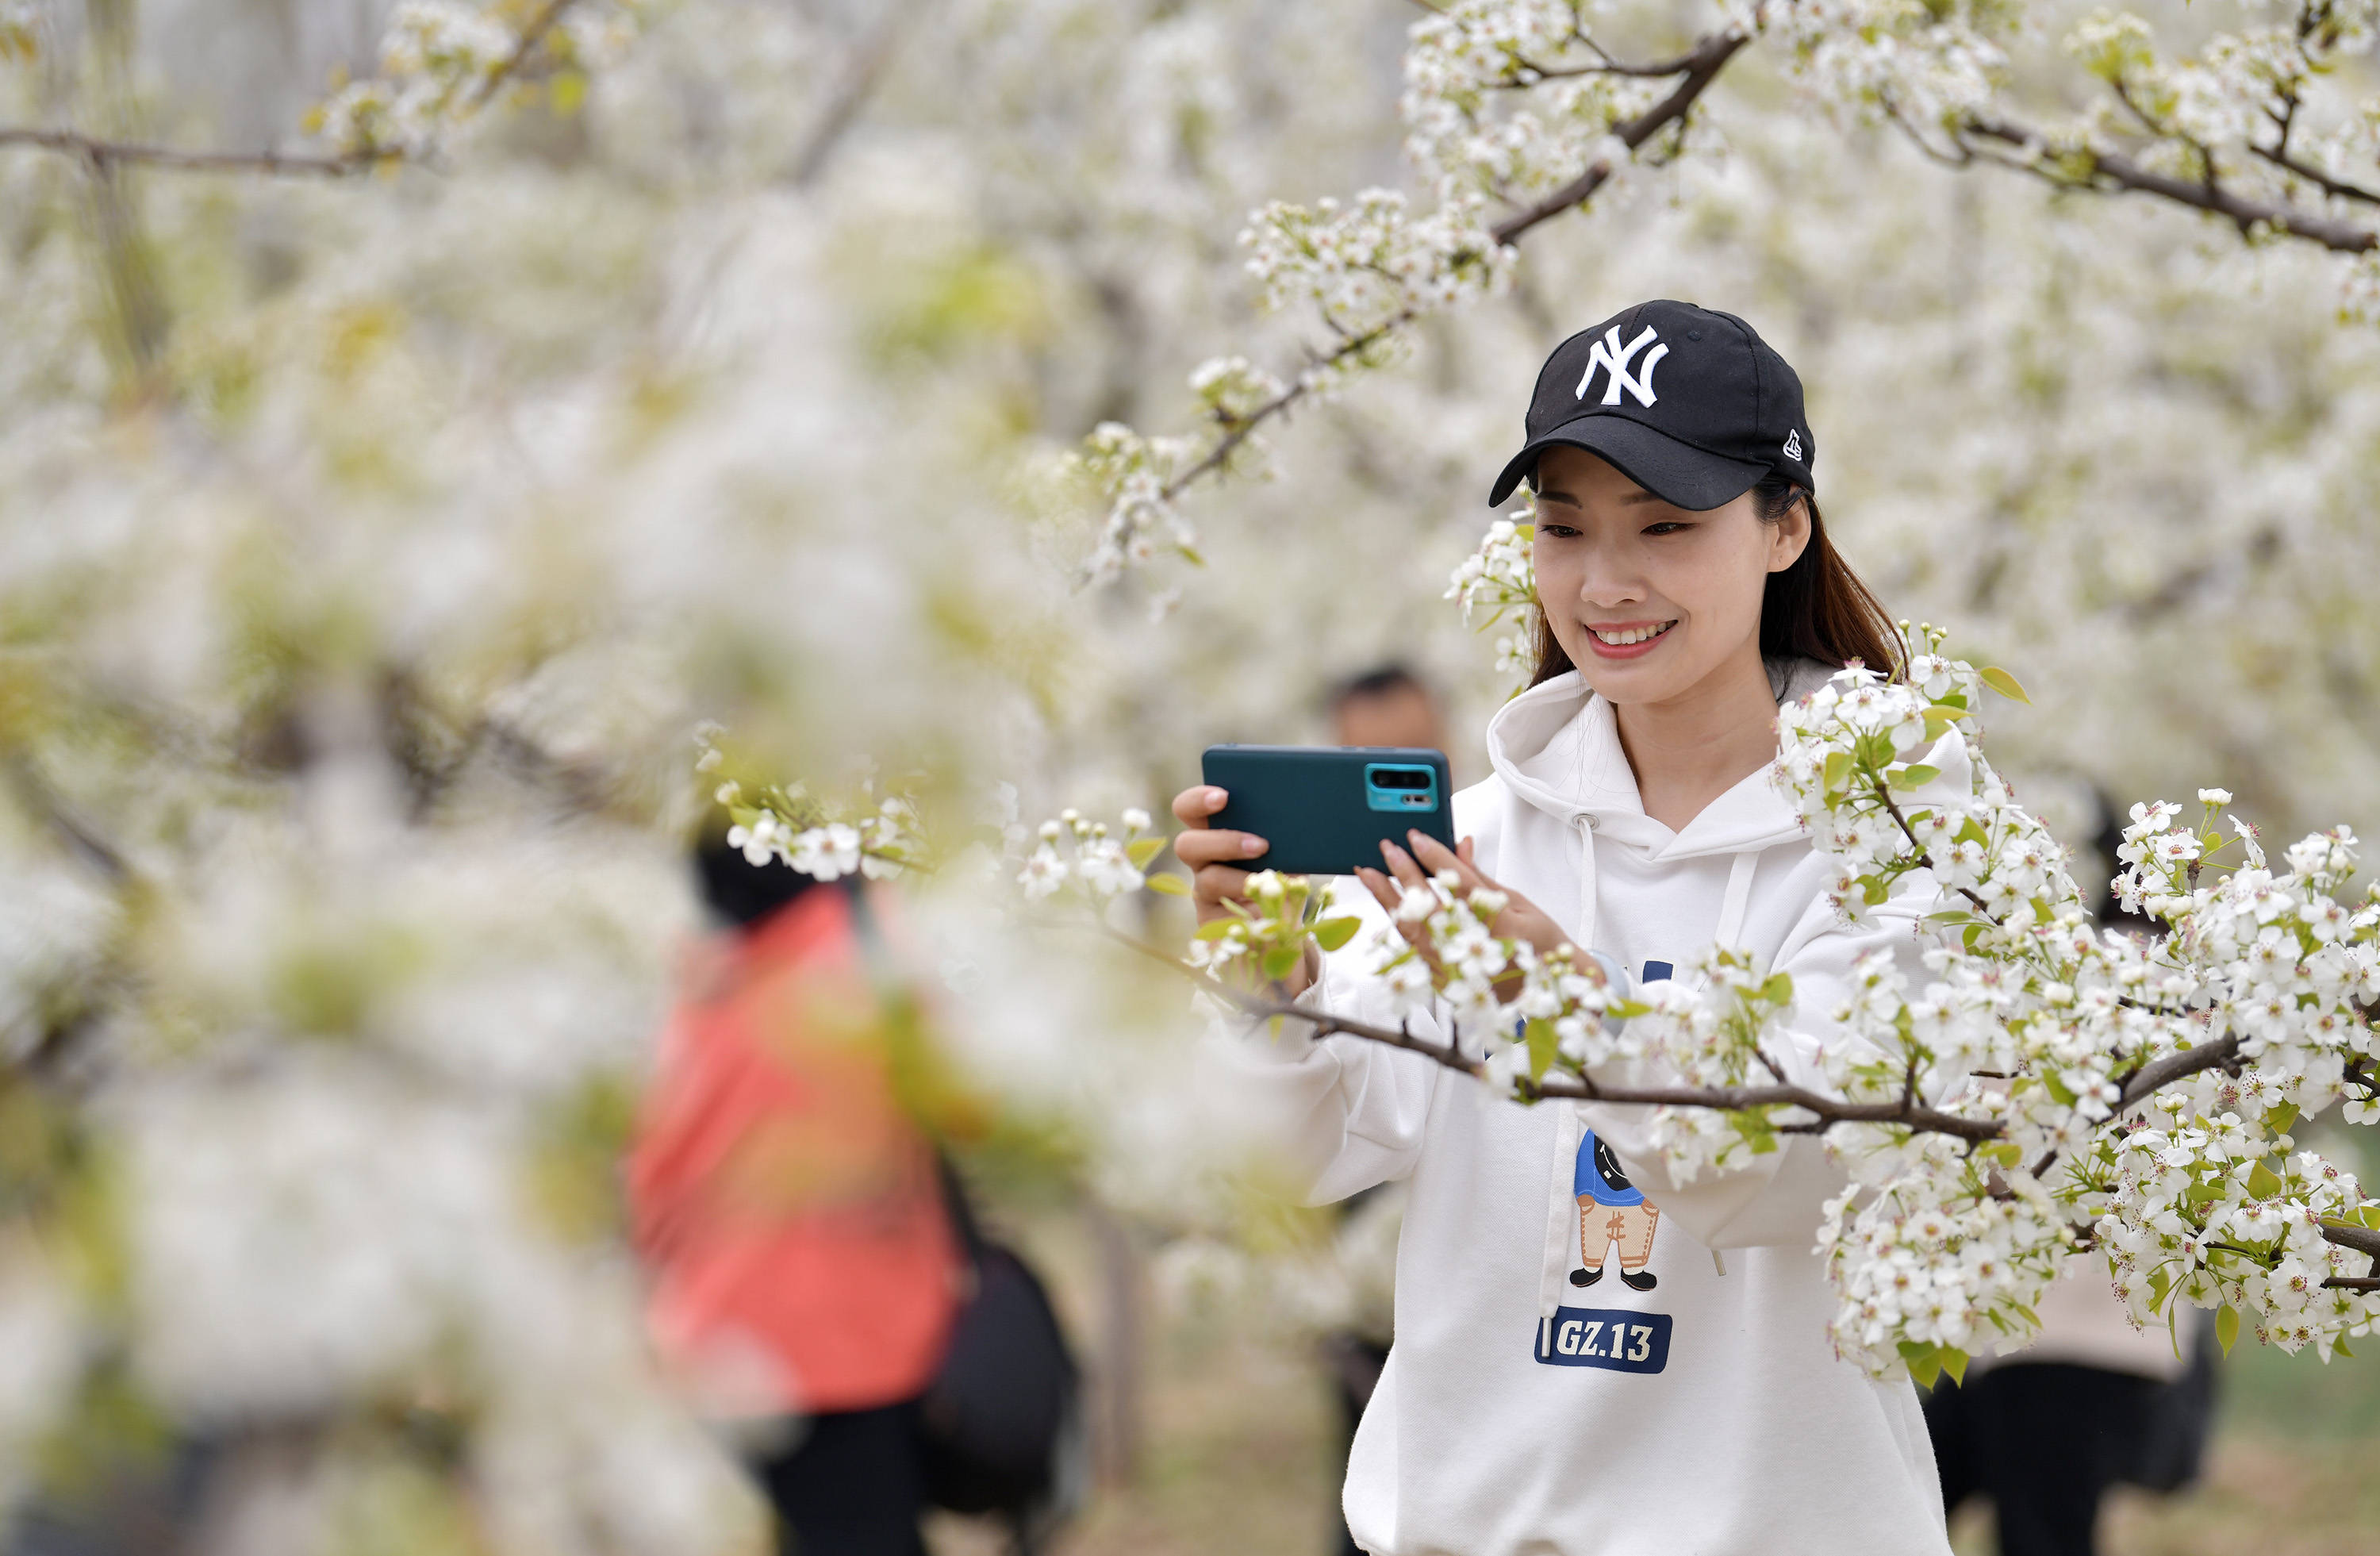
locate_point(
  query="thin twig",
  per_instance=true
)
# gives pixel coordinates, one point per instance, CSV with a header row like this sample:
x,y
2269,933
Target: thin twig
x,y
2278,157
532,36
104,153
850,91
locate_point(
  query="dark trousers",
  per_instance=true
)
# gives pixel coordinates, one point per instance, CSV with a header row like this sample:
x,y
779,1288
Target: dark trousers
x,y
853,1486
1355,1363
2044,1441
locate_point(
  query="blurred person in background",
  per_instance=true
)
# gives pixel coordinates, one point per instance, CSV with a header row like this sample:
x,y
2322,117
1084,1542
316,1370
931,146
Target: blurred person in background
x,y
1386,706
806,1269
2092,1403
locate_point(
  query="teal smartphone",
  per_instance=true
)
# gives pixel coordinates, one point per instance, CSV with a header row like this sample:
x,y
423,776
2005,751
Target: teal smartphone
x,y
1327,808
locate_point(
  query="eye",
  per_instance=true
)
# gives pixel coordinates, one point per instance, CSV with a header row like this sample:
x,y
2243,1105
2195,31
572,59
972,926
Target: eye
x,y
1550,530
1668,526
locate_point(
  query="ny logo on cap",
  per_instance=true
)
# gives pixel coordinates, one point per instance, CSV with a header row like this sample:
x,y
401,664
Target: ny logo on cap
x,y
1610,354
1793,443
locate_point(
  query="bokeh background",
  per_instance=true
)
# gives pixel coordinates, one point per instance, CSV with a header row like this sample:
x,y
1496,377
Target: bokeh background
x,y
375,539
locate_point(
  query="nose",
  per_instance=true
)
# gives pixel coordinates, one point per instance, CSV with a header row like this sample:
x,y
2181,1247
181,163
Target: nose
x,y
1610,578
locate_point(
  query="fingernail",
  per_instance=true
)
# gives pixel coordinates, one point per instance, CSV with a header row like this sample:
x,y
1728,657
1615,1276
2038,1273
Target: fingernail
x,y
1216,796
1251,846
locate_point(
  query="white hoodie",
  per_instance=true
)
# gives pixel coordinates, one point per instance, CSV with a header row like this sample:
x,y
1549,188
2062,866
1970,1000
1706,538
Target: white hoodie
x,y
1520,1415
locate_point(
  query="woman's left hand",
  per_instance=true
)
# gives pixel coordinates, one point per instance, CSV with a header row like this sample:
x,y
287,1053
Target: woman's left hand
x,y
1521,919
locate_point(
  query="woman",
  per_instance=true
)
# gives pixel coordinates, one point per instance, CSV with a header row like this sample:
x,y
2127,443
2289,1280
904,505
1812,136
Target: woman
x,y
1685,588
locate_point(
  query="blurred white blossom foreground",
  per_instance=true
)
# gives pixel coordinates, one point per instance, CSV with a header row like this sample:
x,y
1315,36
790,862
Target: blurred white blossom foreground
x,y
400,464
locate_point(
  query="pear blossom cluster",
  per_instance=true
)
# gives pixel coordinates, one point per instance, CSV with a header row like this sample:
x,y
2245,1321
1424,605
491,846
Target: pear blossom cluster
x,y
1513,98
1098,863
442,61
1370,269
1497,584
790,824
1372,266
1908,63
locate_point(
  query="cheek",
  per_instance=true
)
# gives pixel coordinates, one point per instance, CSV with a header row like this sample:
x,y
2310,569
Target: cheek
x,y
1722,589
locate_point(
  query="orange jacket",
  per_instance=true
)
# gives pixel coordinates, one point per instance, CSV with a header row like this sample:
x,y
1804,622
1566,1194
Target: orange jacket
x,y
802,1257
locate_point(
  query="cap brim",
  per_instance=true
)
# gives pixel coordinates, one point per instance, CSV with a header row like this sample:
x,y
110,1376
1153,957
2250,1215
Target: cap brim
x,y
1677,473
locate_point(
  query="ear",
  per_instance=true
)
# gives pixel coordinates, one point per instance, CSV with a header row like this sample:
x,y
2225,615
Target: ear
x,y
1790,536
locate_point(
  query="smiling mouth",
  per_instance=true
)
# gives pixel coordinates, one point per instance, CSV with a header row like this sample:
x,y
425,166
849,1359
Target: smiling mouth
x,y
1621,638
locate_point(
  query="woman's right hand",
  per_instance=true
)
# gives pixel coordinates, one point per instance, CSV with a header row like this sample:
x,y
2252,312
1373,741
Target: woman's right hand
x,y
1212,883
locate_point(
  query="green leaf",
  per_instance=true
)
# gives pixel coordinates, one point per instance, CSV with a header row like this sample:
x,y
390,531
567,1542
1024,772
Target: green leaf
x,y
1332,934
2279,1117
1281,961
2005,684
1916,777
1140,850
1214,929
1525,531
1542,1047
1954,1362
1759,1131
1779,990
1169,885
1838,768
1925,1363
2340,1346
2226,1327
2263,1183
1190,554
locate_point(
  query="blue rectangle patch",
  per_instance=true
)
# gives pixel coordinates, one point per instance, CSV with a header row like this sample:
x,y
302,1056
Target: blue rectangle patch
x,y
1605,1337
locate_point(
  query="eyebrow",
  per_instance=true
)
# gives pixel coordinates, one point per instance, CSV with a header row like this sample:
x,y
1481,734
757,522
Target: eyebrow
x,y
1556,494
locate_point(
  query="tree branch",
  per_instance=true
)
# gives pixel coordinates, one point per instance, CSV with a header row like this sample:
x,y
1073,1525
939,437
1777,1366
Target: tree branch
x,y
1700,67
2158,1074
2106,173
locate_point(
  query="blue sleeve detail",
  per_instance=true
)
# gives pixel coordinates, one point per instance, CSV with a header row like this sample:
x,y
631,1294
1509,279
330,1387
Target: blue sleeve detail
x,y
1657,971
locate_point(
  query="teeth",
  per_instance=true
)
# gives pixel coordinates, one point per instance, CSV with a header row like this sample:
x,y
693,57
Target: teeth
x,y
1633,635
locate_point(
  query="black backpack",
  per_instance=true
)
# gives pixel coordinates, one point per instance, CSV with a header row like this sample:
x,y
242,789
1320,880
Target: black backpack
x,y
1001,1424
1001,1427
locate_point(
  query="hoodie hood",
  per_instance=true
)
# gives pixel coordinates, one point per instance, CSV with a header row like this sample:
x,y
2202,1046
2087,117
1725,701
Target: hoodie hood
x,y
1557,748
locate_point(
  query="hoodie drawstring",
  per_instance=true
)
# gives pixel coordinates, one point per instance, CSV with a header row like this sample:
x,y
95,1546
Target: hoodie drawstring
x,y
1738,900
1586,937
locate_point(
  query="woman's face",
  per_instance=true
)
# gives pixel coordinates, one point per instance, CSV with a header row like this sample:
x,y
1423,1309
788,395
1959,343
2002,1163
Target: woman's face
x,y
1649,600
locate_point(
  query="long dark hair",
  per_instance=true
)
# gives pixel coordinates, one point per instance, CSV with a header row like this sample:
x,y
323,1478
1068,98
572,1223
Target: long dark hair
x,y
1816,609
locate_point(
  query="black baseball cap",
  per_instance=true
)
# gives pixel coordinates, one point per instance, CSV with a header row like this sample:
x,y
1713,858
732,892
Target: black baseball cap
x,y
1690,404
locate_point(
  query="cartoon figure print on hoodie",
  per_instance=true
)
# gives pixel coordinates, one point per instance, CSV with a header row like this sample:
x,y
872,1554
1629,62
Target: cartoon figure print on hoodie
x,y
1524,1410
1613,1214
